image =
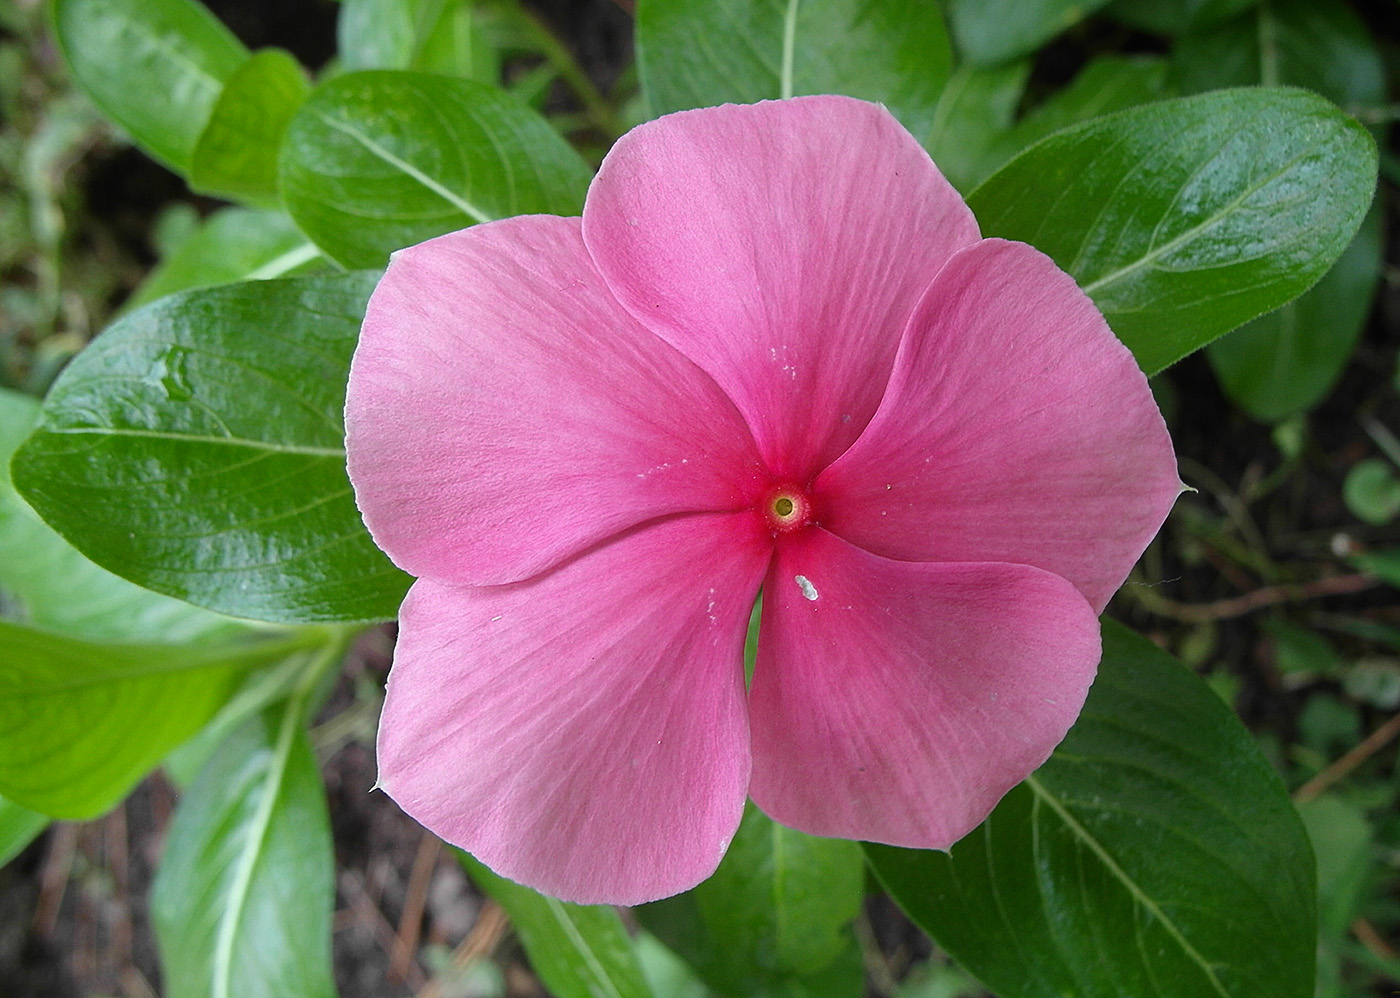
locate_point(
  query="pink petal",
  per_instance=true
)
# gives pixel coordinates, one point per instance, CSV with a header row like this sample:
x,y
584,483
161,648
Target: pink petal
x,y
584,733
504,412
1016,428
782,247
905,699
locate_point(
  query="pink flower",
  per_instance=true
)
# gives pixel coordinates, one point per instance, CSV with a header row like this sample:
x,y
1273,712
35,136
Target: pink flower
x,y
774,352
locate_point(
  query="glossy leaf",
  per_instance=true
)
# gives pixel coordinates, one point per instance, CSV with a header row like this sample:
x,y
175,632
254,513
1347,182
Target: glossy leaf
x,y
1286,361
46,583
578,951
81,722
243,899
741,51
19,826
1186,218
376,161
236,154
1135,861
233,244
992,31
1177,17
974,116
774,919
208,429
155,67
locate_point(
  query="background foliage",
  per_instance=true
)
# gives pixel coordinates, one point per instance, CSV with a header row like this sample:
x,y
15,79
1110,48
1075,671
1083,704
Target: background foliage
x,y
183,575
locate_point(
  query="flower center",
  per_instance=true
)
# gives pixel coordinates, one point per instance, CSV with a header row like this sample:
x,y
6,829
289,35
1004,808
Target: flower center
x,y
787,508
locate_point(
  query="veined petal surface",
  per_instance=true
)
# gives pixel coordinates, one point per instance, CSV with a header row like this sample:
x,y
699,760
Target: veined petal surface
x,y
584,732
781,246
1016,428
505,413
898,701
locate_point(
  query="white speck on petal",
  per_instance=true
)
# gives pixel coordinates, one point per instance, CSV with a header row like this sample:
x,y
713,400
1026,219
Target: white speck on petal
x,y
808,590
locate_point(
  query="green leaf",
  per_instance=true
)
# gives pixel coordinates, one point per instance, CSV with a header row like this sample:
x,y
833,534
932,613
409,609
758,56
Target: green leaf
x,y
436,36
993,31
774,919
19,826
207,427
1176,17
236,154
741,51
1287,360
1342,839
155,67
1385,565
1371,491
578,951
1185,218
1155,853
1317,44
243,899
974,115
376,161
44,582
81,722
233,244
1106,84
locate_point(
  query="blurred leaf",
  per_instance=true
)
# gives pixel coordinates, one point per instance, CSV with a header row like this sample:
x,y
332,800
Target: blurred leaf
x,y
1383,564
1342,840
236,155
154,67
243,898
974,114
1317,44
208,429
233,244
993,31
666,973
1286,361
774,919
578,951
48,584
1372,491
1185,218
741,51
1301,652
19,826
81,722
376,161
1176,17
1376,681
1135,861
1106,84
437,36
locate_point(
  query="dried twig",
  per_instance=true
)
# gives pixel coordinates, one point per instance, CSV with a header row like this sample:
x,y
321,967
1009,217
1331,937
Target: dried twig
x,y
483,939
1373,743
1238,606
415,900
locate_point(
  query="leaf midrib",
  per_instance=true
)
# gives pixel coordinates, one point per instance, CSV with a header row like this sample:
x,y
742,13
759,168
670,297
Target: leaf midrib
x,y
1138,894
265,445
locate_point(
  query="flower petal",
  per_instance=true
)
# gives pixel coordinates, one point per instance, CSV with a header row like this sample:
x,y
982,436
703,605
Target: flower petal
x,y
1016,428
584,732
504,412
782,247
896,701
